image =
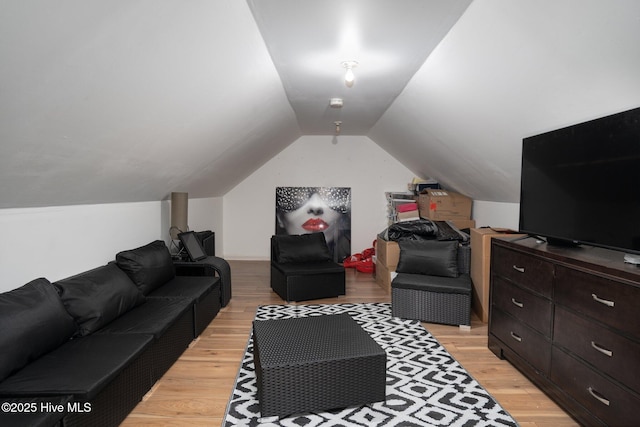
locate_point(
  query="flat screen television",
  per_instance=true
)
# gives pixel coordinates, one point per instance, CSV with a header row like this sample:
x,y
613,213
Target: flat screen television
x,y
191,243
581,184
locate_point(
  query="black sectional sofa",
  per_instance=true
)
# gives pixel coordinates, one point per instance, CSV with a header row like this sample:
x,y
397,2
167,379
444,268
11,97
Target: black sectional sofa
x,y
84,350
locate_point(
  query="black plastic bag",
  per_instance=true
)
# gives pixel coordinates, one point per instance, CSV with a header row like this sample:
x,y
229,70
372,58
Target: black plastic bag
x,y
420,229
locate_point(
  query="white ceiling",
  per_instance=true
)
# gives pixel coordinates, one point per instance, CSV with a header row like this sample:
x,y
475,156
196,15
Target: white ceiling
x,y
390,40
128,100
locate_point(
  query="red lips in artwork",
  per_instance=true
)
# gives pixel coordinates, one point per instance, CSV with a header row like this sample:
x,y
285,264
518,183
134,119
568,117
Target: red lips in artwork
x,y
315,224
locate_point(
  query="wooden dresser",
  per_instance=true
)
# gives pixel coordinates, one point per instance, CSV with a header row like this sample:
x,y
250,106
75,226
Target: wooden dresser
x,y
569,319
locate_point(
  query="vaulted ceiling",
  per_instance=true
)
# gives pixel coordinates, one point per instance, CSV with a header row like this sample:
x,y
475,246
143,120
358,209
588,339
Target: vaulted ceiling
x,y
127,100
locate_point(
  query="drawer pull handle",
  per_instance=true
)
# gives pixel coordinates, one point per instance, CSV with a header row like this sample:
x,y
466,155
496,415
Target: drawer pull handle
x,y
516,337
518,269
602,349
517,303
602,301
597,396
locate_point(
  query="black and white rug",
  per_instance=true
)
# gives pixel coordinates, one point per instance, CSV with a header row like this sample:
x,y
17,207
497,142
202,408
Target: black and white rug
x,y
426,386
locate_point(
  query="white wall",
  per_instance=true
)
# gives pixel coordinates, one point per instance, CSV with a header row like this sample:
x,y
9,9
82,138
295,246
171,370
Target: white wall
x,y
207,214
60,241
496,214
57,242
313,161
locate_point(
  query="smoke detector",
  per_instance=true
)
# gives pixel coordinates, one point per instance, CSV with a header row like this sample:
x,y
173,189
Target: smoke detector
x,y
335,102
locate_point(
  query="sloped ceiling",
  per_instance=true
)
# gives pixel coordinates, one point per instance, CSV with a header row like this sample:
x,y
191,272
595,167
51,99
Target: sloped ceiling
x,y
121,101
508,70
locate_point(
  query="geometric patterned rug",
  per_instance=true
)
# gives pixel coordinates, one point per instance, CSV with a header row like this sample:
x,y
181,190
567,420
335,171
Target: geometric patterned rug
x,y
426,386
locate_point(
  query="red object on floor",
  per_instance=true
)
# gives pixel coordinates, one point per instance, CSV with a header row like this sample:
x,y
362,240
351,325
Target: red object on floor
x,y
362,262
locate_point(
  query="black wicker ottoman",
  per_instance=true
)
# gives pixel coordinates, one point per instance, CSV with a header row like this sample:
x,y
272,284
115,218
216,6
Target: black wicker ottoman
x,y
316,363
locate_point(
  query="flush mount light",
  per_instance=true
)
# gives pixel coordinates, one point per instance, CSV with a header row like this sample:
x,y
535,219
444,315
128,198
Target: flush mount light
x,y
335,102
349,78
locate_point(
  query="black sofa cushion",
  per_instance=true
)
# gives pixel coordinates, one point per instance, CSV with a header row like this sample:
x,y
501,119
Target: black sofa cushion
x,y
33,322
202,291
96,297
82,367
430,257
194,288
310,247
149,266
153,317
448,285
309,268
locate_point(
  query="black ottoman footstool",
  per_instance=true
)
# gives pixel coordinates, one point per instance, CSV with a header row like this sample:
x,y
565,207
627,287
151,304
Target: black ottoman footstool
x,y
316,363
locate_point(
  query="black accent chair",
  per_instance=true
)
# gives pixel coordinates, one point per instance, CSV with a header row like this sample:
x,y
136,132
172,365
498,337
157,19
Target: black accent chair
x,y
302,268
433,283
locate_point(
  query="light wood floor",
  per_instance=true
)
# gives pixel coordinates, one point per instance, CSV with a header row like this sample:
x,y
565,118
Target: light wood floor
x,y
195,391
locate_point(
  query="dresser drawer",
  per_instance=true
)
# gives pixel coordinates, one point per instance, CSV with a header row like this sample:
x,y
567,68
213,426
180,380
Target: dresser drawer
x,y
604,399
613,303
609,352
529,344
531,309
525,270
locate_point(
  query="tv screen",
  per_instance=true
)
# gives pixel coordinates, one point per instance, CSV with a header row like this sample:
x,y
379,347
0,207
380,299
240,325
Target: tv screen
x,y
581,184
192,245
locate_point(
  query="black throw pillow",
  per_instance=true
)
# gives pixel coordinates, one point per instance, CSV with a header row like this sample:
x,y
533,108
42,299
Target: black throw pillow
x,y
430,257
302,248
33,322
149,266
98,296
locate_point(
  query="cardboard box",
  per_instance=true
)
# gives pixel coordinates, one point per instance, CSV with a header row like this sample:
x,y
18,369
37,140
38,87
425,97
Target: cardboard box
x,y
480,266
384,276
441,205
387,253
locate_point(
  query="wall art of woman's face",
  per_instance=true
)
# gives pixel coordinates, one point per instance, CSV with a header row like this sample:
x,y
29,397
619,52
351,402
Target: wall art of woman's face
x,y
301,210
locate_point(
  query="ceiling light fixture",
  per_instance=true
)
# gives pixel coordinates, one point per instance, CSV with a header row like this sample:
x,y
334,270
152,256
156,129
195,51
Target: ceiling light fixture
x,y
349,78
337,123
335,102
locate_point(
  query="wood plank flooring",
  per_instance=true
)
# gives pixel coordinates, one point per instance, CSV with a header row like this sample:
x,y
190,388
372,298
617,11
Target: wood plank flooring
x,y
195,391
